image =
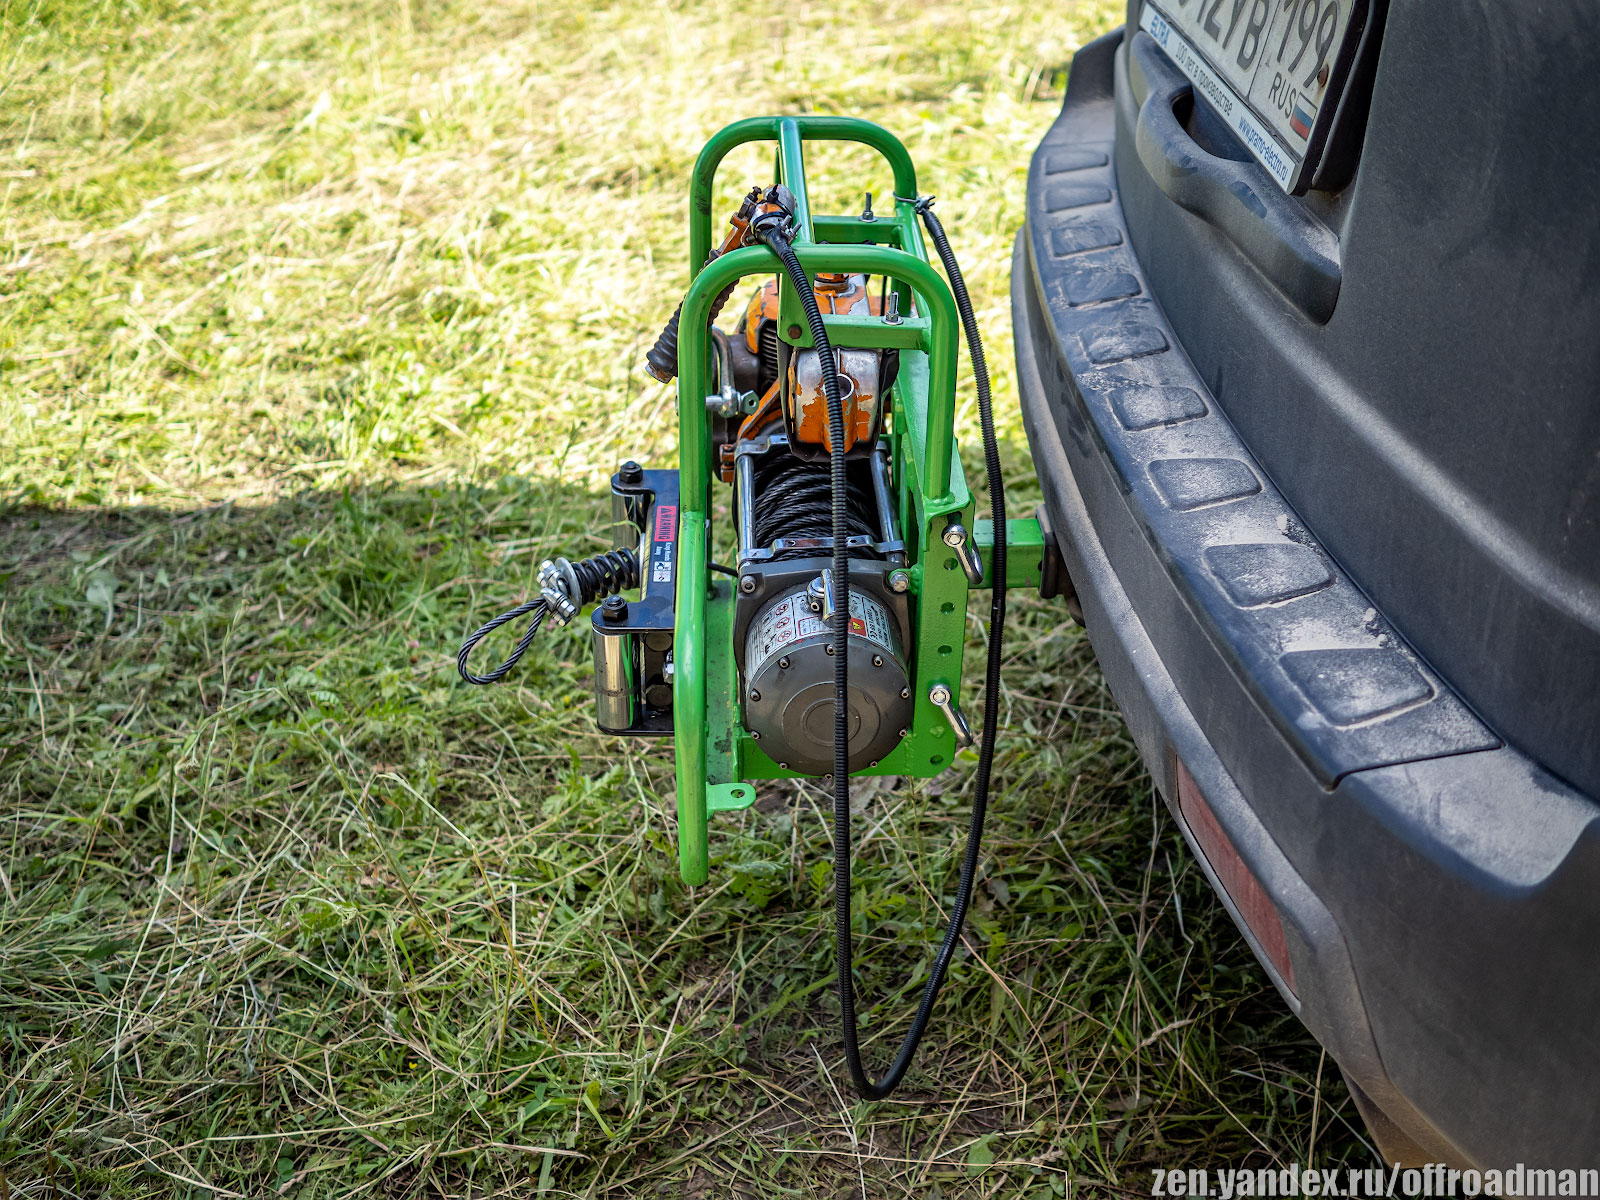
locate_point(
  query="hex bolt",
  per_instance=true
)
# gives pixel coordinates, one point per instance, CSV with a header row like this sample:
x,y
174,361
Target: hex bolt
x,y
561,609
613,609
899,581
630,472
747,584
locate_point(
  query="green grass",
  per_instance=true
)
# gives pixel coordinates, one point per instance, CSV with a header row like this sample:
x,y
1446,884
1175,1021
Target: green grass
x,y
319,325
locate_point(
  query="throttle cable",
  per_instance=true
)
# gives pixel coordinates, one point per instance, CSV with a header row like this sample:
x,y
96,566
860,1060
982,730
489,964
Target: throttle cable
x,y
772,227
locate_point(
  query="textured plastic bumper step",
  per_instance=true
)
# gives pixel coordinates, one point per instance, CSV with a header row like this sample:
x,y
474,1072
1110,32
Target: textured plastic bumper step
x,y
1339,683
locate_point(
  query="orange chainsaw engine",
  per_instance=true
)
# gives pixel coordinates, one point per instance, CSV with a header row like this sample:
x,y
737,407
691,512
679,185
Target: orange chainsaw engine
x,y
789,379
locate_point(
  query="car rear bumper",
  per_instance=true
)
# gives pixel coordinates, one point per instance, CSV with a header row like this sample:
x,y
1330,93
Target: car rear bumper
x,y
1422,895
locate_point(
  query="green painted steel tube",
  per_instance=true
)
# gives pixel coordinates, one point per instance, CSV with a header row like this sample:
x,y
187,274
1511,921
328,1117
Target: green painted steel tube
x,y
767,129
1024,551
792,170
689,696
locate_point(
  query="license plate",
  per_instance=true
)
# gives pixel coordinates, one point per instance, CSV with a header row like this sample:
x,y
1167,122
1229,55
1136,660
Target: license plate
x,y
1271,68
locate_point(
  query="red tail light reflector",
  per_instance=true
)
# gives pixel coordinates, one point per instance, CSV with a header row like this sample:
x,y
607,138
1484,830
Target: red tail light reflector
x,y
1246,892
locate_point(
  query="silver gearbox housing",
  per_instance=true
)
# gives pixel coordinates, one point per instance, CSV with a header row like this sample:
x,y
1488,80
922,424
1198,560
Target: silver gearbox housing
x,y
788,692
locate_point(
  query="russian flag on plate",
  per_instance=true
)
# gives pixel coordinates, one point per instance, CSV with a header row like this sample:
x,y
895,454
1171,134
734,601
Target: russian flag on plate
x,y
1300,122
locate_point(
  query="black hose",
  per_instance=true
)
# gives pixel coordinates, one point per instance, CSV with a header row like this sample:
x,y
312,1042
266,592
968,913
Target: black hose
x,y
661,360
775,237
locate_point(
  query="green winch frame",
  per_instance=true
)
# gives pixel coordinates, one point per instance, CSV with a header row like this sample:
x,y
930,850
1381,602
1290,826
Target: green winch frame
x,y
715,755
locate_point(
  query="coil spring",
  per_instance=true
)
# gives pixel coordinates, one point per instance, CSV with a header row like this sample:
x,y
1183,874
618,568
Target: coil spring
x,y
604,575
793,499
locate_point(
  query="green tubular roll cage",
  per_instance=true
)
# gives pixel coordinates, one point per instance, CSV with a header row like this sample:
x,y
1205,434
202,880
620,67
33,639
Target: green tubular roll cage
x,y
715,756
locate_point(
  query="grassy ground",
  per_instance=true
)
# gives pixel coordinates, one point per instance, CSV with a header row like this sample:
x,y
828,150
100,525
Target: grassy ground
x,y
320,324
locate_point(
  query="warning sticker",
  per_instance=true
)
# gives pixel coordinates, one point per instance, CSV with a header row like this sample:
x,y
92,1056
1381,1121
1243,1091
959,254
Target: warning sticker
x,y
663,550
791,620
